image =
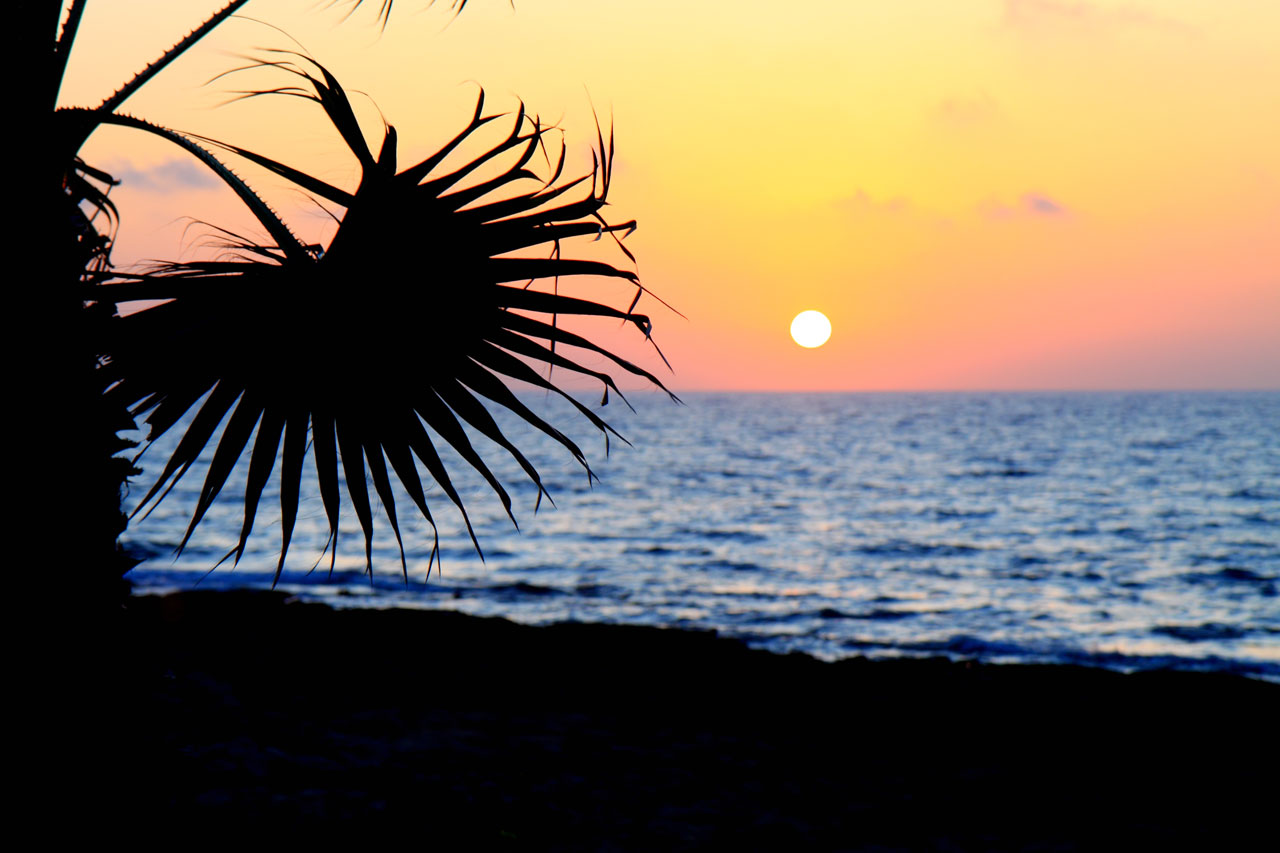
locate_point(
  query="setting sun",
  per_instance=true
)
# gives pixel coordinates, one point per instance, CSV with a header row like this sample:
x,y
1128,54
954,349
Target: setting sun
x,y
811,329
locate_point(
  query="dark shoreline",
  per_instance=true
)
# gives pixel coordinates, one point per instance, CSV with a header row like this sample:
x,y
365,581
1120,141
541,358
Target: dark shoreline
x,y
245,707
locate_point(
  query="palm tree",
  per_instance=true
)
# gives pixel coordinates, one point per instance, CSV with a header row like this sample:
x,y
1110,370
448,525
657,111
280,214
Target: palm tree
x,y
439,287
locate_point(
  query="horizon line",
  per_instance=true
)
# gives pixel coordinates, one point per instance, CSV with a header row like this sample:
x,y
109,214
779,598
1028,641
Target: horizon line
x,y
974,390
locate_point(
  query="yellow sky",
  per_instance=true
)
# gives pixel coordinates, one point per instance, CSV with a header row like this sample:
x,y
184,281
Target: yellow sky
x,y
979,193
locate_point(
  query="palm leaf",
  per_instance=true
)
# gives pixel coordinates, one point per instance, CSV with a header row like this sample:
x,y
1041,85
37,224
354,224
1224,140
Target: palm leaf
x,y
113,102
385,7
419,306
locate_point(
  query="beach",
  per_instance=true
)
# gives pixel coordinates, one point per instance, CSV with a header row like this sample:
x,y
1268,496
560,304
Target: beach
x,y
230,710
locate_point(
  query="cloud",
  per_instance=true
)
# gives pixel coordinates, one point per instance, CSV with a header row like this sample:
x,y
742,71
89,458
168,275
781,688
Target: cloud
x,y
1021,14
167,177
960,111
1078,15
862,204
1042,205
1032,205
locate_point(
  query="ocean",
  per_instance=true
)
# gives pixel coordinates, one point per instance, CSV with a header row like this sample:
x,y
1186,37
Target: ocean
x,y
1120,530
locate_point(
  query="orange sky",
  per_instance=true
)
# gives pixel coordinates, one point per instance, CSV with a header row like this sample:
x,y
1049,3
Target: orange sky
x,y
978,193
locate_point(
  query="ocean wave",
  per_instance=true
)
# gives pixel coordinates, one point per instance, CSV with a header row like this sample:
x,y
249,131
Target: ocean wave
x,y
903,548
879,613
517,589
966,646
1230,574
1200,633
1005,471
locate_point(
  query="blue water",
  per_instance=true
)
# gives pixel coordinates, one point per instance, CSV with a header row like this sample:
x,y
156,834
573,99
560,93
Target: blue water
x,y
1119,530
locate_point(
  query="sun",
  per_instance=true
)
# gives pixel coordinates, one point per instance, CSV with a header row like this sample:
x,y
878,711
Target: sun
x,y
811,329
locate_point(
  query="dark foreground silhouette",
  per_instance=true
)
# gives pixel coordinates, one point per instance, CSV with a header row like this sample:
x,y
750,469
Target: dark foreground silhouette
x,y
231,711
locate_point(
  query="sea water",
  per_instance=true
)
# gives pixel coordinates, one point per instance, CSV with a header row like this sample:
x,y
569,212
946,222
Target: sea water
x,y
1125,530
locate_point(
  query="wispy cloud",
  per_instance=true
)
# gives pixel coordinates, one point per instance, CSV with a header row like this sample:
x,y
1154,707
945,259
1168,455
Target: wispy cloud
x,y
962,112
168,177
862,204
1032,205
1082,16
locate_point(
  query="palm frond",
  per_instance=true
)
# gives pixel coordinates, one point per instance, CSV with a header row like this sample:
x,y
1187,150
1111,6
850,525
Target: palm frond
x,y
62,47
385,7
87,187
115,100
285,241
384,342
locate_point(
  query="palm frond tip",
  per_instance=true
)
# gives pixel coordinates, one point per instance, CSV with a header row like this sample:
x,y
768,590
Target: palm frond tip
x,y
385,7
419,307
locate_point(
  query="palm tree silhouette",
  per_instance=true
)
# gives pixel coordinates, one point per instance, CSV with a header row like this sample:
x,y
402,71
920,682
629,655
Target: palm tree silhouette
x,y
372,348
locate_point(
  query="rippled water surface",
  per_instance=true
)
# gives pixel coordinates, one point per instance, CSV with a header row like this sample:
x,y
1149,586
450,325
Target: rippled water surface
x,y
1123,530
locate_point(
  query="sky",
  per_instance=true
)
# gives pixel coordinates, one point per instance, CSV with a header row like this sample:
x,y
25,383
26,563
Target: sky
x,y
980,194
